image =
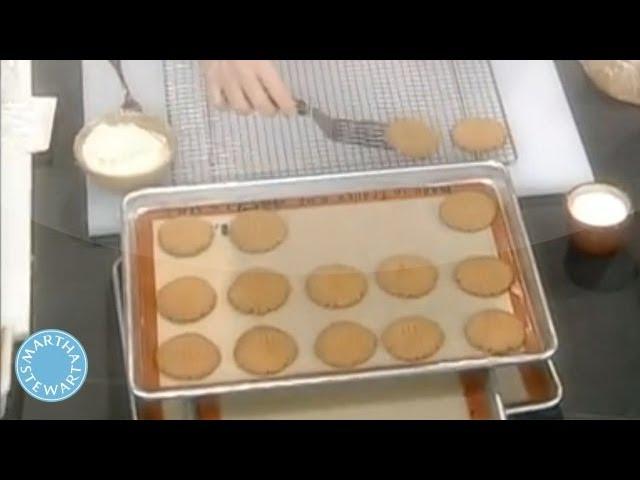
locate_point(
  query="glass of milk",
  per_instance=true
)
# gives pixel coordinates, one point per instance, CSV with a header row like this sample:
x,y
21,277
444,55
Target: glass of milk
x,y
600,217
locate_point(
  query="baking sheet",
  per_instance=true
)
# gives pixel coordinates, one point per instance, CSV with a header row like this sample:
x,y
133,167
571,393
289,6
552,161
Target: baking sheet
x,y
141,208
440,397
529,388
361,235
509,383
434,398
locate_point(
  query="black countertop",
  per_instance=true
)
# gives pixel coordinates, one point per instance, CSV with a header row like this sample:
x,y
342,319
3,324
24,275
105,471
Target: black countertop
x,y
599,329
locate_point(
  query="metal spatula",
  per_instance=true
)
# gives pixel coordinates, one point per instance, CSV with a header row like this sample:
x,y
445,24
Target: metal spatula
x,y
359,132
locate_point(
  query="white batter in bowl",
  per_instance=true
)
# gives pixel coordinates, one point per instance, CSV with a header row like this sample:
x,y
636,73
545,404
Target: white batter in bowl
x,y
125,151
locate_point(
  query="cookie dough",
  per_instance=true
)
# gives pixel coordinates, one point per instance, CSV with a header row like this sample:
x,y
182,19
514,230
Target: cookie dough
x,y
259,291
468,211
336,286
479,134
185,236
186,299
413,338
345,344
484,276
495,332
257,231
407,276
265,351
411,137
189,356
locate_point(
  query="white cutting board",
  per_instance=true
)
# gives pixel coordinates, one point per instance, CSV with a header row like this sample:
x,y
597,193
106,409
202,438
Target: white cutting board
x,y
551,157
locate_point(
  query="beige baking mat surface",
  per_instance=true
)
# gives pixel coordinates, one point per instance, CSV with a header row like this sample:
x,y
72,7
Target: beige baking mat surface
x,y
361,235
511,385
436,398
177,410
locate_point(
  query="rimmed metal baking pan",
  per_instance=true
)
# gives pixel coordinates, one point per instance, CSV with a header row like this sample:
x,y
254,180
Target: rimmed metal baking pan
x,y
140,208
537,388
540,387
461,396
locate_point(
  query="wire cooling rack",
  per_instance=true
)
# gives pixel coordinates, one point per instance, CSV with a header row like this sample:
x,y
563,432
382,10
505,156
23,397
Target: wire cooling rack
x,y
218,146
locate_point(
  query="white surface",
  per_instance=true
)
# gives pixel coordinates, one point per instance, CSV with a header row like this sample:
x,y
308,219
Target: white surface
x,y
29,123
6,352
551,158
26,127
15,195
15,281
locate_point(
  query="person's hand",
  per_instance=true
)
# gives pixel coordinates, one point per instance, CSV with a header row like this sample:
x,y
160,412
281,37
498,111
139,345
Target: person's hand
x,y
247,86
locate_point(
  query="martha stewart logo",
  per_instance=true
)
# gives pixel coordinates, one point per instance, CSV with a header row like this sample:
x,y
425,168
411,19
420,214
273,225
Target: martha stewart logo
x,y
51,365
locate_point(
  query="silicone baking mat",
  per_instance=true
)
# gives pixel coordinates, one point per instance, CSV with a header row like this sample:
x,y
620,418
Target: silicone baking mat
x,y
521,388
340,233
466,396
